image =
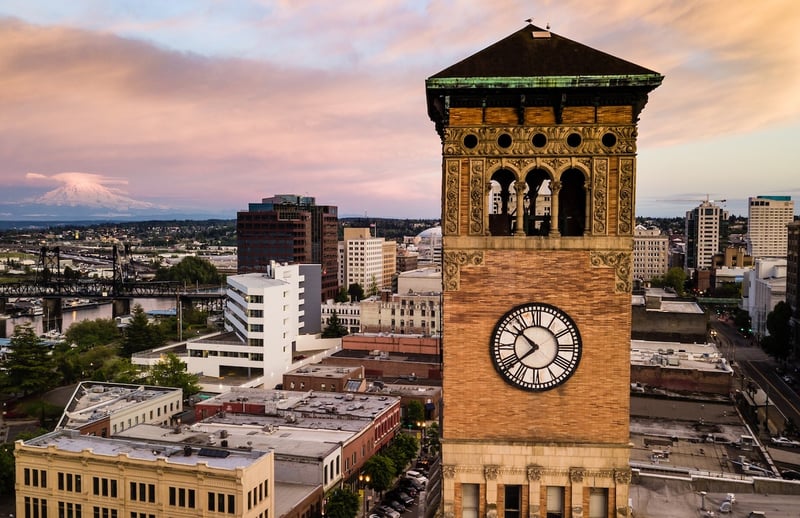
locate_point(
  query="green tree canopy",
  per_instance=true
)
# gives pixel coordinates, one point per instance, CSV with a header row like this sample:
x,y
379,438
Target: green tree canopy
x,y
29,364
777,343
334,329
381,470
89,333
171,372
341,503
356,292
139,335
191,270
402,450
342,296
676,279
415,413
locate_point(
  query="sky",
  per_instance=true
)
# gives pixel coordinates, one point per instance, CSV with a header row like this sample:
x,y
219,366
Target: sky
x,y
217,104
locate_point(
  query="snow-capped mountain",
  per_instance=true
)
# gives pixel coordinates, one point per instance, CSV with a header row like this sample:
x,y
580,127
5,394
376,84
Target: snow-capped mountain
x,y
91,195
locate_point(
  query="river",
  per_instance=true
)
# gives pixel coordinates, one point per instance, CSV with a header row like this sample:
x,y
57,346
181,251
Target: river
x,y
72,315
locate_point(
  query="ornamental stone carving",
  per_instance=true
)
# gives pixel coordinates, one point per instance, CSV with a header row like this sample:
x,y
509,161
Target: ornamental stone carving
x,y
452,182
622,512
621,262
491,472
448,471
576,475
477,197
453,261
534,473
626,196
622,476
491,510
600,196
518,140
577,511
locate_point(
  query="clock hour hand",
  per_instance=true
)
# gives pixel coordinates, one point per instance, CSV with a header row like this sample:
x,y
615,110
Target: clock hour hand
x,y
534,346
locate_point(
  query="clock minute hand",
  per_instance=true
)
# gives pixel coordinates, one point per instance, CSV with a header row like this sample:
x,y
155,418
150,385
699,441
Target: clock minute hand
x,y
533,349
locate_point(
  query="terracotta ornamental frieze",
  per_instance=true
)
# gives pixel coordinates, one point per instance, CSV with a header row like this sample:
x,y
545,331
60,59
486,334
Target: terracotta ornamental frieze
x,y
621,263
453,261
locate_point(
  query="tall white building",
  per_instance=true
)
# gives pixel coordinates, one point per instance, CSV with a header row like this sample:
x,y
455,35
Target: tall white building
x,y
265,315
705,225
650,253
361,260
767,217
766,286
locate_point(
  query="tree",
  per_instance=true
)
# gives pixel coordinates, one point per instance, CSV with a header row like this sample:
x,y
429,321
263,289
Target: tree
x,y
381,470
355,291
373,286
191,270
777,344
171,372
7,469
404,447
675,279
334,329
29,364
89,333
341,503
140,335
342,296
415,413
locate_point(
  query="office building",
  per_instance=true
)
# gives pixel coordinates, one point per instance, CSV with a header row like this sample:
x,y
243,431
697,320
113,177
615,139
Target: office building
x,y
268,321
289,229
767,217
705,226
650,253
537,322
766,285
365,260
64,473
793,284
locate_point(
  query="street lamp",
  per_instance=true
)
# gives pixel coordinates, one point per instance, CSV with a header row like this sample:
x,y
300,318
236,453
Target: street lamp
x,y
363,480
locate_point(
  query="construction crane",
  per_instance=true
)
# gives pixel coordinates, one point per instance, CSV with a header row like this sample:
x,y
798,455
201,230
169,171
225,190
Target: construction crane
x,y
694,200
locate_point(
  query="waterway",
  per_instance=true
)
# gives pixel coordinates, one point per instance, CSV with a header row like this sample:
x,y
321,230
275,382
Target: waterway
x,y
72,315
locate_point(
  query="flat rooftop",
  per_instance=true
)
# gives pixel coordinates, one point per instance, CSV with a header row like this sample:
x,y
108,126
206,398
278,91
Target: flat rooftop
x,y
153,451
700,357
93,400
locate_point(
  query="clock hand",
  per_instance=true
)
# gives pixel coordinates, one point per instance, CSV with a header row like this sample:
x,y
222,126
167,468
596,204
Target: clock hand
x,y
534,346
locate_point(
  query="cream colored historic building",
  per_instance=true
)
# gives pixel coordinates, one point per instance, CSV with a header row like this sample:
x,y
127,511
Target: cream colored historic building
x,y
650,253
67,474
536,303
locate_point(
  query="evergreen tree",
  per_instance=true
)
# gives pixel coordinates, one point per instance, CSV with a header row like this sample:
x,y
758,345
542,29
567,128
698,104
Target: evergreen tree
x,y
381,470
356,292
334,329
29,364
140,335
171,372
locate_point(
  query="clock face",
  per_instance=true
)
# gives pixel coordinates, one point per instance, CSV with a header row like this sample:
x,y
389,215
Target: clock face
x,y
536,347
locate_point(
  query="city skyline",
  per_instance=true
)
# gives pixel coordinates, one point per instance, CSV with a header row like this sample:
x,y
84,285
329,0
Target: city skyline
x,y
211,105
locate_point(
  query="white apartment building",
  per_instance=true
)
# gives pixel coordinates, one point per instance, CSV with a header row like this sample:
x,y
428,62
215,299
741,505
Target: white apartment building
x,y
361,260
264,315
767,217
650,253
704,226
766,286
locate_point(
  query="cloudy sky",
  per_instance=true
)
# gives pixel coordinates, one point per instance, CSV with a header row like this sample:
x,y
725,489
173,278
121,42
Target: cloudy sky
x,y
216,104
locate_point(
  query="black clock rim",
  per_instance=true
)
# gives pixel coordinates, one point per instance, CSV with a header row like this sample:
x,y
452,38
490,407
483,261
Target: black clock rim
x,y
559,311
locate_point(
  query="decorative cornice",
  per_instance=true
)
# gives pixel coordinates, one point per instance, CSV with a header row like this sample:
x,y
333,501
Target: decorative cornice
x,y
448,470
621,262
576,475
622,476
491,471
453,261
534,472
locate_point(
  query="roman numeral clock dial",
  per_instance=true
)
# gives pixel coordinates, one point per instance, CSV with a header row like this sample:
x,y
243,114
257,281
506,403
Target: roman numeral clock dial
x,y
536,347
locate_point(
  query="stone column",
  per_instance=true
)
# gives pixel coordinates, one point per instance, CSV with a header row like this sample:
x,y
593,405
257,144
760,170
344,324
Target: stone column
x,y
490,472
488,201
520,188
576,477
587,217
555,188
534,491
622,479
448,490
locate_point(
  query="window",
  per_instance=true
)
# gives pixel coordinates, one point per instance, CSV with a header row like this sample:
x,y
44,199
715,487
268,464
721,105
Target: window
x,y
555,502
513,501
598,502
469,499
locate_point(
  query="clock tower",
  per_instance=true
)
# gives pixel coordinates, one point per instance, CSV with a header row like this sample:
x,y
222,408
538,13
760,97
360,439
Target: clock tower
x,y
538,140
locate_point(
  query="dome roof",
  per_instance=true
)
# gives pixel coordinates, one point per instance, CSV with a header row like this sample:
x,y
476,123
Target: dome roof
x,y
430,232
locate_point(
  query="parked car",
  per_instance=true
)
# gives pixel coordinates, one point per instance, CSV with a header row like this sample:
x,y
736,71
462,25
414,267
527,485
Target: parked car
x,y
388,512
783,441
397,506
417,476
401,497
412,482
